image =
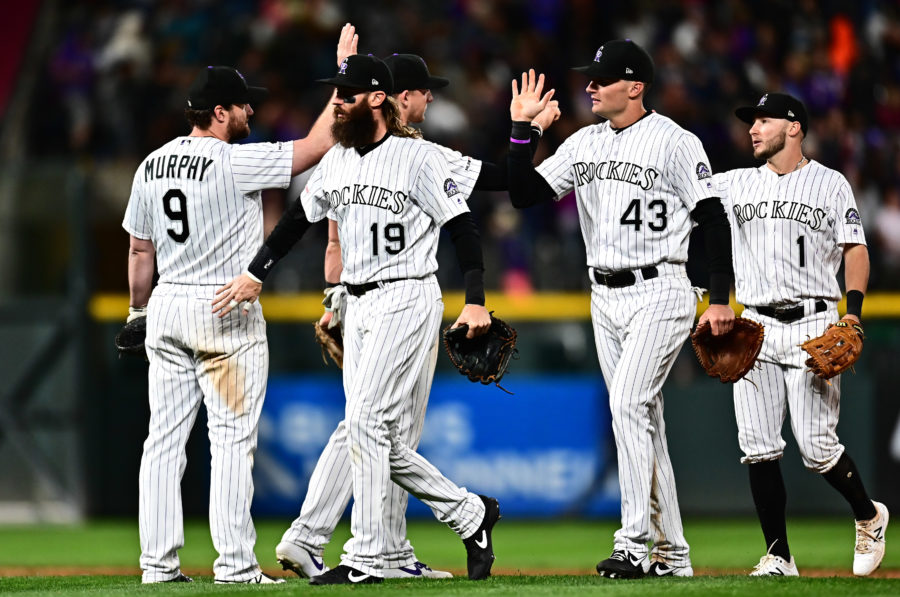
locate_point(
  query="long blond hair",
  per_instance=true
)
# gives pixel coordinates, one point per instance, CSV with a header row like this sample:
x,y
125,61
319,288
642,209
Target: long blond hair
x,y
391,112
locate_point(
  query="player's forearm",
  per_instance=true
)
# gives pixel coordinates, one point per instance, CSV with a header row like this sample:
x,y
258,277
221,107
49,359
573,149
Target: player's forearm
x,y
333,264
465,237
309,150
494,177
526,186
141,257
710,215
856,268
290,228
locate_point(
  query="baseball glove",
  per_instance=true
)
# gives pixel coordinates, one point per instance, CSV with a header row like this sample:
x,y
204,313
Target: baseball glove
x,y
130,339
484,358
728,356
331,341
836,350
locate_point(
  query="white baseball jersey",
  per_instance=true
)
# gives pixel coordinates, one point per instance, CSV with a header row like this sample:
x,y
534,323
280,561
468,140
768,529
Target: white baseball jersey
x,y
389,205
788,231
198,200
635,189
464,169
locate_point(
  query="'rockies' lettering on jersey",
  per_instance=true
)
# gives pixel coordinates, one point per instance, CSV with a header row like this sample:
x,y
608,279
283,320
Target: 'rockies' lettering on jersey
x,y
371,195
585,172
389,205
635,189
177,166
788,232
787,210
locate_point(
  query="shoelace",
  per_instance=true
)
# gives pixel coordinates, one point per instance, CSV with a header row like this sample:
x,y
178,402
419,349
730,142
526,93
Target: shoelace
x,y
765,562
618,555
864,539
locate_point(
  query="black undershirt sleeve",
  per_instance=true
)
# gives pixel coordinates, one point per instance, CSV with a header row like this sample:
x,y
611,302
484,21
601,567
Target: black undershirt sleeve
x,y
493,177
466,239
526,186
290,228
710,216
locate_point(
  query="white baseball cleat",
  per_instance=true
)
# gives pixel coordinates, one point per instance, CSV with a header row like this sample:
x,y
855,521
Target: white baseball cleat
x,y
870,541
415,570
300,560
772,565
660,568
261,579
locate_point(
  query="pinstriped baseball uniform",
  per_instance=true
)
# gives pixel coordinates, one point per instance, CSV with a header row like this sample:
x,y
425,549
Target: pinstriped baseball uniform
x,y
198,200
389,204
330,485
788,234
635,189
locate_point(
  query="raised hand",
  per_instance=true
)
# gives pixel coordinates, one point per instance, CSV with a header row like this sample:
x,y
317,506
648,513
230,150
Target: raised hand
x,y
548,115
529,103
347,43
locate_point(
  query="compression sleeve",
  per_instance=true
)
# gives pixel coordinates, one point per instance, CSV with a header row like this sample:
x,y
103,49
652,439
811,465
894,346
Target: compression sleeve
x,y
493,177
466,239
290,228
710,216
526,186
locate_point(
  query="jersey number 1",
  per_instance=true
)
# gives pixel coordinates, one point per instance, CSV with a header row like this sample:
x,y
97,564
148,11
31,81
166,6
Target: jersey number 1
x,y
394,238
175,206
632,215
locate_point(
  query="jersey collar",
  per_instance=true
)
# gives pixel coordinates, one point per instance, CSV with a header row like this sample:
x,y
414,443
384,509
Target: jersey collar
x,y
617,131
367,148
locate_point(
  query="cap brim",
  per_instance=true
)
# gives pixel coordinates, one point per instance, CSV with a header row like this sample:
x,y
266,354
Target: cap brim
x,y
748,113
437,82
256,95
342,82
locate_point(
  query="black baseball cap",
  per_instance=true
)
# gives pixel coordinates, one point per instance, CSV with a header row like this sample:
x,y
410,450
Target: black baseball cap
x,y
620,59
777,105
221,86
365,72
410,72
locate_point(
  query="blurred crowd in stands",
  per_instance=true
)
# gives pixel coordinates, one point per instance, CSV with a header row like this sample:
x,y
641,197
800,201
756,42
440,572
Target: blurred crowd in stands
x,y
113,87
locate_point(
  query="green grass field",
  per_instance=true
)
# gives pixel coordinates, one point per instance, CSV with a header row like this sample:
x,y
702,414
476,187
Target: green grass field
x,y
533,558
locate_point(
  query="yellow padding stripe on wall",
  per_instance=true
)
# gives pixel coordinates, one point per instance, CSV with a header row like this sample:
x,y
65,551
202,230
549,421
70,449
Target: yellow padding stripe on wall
x,y
541,306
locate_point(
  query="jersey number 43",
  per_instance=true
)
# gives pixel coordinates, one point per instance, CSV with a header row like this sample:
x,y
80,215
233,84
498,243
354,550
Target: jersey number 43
x,y
658,220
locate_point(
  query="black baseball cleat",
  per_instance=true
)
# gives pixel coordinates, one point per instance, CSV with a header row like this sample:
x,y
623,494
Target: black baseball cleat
x,y
345,575
479,548
180,578
622,564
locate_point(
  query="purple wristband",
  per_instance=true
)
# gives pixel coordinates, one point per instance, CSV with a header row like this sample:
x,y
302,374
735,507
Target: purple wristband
x,y
521,141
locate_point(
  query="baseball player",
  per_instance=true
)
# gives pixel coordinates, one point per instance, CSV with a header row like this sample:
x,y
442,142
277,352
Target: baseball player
x,y
330,487
195,207
390,194
639,180
792,220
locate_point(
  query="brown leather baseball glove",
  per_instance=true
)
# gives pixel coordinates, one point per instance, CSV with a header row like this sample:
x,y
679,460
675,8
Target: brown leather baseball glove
x,y
728,356
332,342
836,350
484,358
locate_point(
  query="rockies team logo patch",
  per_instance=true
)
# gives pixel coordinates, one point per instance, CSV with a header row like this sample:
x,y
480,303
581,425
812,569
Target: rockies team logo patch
x,y
703,171
852,217
450,187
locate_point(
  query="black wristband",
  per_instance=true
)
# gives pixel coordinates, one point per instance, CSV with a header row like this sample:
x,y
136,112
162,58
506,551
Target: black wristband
x,y
474,287
263,262
520,138
331,284
854,302
719,288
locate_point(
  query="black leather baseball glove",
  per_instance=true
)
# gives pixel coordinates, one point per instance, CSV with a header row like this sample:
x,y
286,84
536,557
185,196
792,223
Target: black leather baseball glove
x,y
484,358
130,339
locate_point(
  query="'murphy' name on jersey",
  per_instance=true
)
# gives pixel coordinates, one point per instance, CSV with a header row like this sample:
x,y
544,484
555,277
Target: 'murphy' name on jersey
x,y
371,195
177,166
586,172
783,210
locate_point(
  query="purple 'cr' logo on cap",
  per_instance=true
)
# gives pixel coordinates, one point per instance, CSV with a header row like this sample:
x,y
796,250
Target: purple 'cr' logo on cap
x,y
598,54
762,100
240,75
343,69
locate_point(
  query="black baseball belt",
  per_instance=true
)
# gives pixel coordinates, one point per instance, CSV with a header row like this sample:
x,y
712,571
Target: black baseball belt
x,y
623,278
358,290
790,313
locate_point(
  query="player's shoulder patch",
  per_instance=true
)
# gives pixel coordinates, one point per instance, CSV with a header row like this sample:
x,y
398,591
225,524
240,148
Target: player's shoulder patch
x,y
450,187
703,171
852,217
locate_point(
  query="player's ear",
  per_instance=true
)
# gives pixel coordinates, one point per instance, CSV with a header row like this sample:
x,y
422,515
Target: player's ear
x,y
635,90
376,98
220,113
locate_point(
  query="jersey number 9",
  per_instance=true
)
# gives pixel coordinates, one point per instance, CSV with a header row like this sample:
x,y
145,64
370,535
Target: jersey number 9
x,y
394,238
175,206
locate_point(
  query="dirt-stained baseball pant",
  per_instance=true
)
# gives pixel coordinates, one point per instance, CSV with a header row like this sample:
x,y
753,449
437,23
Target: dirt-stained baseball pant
x,y
639,330
782,382
196,356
